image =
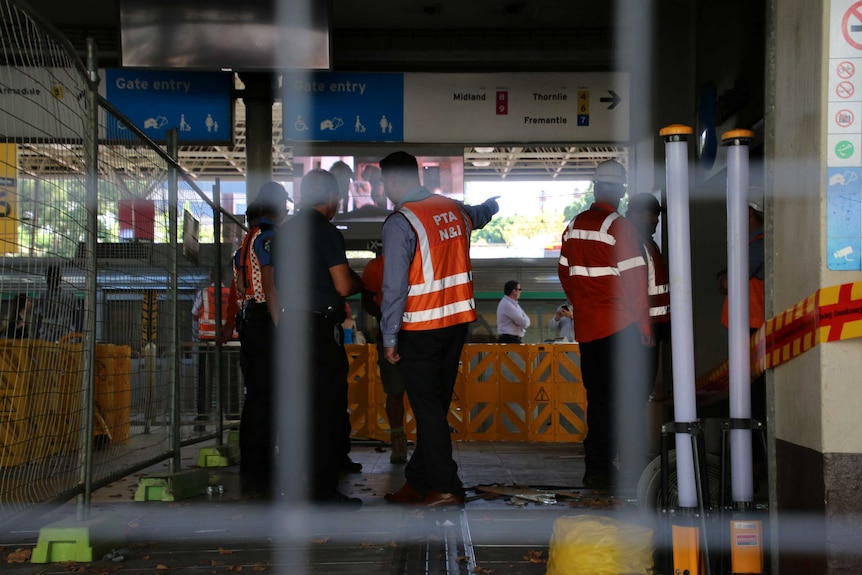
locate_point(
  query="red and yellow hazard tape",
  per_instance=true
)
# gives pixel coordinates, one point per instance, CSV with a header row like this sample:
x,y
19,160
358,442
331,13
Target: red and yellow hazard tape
x,y
830,314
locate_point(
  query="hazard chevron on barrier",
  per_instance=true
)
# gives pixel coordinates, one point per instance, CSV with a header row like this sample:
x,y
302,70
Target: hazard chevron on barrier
x,y
830,314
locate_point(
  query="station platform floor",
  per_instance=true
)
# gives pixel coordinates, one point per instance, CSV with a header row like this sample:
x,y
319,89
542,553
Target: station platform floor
x,y
496,532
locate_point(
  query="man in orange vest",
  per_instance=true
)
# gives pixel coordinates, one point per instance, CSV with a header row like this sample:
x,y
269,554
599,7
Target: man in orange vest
x,y
393,385
427,304
204,312
603,273
643,212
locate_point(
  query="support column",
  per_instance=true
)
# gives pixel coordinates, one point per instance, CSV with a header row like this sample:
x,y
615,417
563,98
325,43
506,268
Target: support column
x,y
258,98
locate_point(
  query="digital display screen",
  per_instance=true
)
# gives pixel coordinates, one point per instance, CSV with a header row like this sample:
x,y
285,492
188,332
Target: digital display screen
x,y
225,34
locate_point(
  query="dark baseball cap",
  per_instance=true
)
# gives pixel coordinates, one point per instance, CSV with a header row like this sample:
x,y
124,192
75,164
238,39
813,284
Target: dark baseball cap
x,y
645,203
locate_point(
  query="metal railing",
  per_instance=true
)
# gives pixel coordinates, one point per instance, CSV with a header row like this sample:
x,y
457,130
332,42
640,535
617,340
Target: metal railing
x,y
98,356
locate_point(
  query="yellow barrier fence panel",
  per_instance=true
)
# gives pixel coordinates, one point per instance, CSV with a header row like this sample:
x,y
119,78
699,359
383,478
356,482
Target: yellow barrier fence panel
x,y
479,364
542,394
458,412
17,428
59,411
358,390
65,360
114,389
512,393
571,397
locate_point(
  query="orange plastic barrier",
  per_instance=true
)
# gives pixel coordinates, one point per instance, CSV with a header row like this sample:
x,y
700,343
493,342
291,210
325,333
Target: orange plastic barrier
x,y
504,392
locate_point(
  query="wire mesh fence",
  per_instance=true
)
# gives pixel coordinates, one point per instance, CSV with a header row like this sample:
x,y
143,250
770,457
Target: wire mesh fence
x,y
95,387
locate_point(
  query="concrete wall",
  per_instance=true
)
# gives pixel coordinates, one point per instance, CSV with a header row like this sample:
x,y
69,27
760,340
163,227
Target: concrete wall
x,y
816,398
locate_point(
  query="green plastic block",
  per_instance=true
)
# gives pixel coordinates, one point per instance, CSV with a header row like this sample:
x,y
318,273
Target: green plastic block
x,y
233,436
211,457
189,483
221,456
78,541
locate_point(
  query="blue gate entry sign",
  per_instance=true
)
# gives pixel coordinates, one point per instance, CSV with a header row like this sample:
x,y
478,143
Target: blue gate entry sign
x,y
343,107
197,104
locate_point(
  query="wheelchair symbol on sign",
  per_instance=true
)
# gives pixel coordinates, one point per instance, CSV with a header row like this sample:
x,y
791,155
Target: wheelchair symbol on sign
x,y
299,125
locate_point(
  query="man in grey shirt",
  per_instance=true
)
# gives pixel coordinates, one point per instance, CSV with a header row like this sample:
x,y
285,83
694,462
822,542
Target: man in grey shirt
x,y
427,305
512,320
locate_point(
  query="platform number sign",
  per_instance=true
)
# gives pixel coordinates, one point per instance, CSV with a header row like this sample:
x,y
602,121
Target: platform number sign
x,y
502,102
583,107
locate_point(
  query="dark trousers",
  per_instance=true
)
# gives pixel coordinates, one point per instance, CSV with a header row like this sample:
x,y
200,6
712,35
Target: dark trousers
x,y
506,338
429,369
616,376
202,395
256,433
328,381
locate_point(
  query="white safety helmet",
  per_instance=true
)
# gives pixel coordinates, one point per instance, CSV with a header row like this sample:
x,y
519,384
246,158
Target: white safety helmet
x,y
755,199
610,172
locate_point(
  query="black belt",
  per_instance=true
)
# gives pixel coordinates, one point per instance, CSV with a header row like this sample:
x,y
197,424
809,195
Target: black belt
x,y
331,314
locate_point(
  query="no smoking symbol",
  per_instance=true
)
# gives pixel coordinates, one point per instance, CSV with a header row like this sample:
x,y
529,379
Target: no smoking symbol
x,y
845,90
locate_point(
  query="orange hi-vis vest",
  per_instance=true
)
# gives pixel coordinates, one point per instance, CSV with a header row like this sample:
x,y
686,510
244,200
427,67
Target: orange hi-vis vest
x,y
207,319
658,284
440,280
249,281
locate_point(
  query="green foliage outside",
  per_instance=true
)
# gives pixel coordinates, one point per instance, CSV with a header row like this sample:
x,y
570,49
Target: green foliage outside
x,y
514,229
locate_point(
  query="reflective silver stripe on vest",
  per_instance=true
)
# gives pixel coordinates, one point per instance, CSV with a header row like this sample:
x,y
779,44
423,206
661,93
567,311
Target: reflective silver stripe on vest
x,y
631,263
593,272
600,235
659,310
424,246
439,312
652,288
441,284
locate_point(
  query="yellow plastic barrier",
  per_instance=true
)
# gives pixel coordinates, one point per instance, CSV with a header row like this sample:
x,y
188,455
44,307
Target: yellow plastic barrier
x,y
504,392
40,398
18,391
114,389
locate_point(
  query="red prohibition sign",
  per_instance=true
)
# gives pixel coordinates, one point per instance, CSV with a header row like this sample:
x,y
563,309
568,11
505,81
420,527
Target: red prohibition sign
x,y
845,69
844,118
852,22
845,90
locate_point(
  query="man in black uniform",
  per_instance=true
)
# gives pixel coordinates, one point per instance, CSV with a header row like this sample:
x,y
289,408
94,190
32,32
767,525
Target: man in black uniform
x,y
314,278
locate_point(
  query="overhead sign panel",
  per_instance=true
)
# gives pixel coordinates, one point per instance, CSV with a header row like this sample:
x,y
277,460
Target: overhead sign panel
x,y
197,104
343,107
42,104
503,108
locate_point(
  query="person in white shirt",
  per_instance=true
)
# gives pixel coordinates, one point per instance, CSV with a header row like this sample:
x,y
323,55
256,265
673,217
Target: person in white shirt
x,y
561,322
512,321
